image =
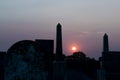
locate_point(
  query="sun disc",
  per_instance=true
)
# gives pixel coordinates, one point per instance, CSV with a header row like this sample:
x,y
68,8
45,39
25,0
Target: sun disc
x,y
74,48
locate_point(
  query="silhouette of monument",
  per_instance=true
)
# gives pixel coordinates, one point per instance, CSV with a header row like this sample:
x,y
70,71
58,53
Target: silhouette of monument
x,y
110,61
59,65
105,43
47,47
2,61
29,60
59,51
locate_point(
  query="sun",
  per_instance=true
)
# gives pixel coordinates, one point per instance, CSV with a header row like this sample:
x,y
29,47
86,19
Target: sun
x,y
74,48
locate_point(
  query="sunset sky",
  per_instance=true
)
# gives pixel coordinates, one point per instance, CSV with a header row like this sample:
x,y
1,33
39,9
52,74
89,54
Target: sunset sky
x,y
84,23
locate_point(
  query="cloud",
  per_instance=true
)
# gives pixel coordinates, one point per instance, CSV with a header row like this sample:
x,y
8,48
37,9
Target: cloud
x,y
83,33
86,33
100,32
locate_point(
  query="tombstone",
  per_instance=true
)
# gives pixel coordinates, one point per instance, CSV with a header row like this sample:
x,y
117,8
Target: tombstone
x,y
2,62
25,62
59,70
47,47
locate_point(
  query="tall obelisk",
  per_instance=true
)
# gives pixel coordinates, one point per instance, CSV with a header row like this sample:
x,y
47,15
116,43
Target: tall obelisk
x,y
59,51
105,43
59,66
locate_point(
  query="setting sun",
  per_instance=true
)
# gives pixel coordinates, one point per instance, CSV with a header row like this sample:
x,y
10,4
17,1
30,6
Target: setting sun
x,y
73,48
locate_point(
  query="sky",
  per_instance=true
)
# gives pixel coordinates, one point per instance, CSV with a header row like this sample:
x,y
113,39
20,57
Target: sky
x,y
84,23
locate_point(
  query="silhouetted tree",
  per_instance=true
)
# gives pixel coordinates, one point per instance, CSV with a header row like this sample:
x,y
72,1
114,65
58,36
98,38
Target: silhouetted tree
x,y
78,61
79,55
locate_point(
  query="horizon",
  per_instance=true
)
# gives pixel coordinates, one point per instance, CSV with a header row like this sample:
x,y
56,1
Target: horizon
x,y
84,23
